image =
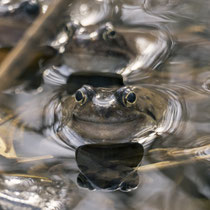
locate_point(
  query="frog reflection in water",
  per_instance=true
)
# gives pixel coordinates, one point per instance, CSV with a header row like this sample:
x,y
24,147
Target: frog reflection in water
x,y
120,49
89,46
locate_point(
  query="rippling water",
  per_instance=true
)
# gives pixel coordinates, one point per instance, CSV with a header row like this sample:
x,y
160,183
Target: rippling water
x,y
160,45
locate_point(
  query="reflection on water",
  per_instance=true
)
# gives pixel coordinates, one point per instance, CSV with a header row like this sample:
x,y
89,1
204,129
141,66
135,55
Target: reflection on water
x,y
109,166
161,49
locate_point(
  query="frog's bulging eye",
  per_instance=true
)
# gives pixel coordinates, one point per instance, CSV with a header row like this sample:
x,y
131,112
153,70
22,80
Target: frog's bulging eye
x,y
80,97
110,34
129,99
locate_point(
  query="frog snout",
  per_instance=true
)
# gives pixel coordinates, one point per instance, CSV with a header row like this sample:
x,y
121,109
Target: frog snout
x,y
104,106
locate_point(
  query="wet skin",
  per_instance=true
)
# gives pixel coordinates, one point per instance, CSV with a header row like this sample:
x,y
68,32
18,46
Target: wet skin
x,y
112,114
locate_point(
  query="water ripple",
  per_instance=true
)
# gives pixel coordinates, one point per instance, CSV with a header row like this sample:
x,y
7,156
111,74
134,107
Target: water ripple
x,y
150,52
90,13
172,119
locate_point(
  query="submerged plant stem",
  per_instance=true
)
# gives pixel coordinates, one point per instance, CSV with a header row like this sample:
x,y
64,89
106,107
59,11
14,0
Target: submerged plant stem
x,y
167,164
44,179
31,159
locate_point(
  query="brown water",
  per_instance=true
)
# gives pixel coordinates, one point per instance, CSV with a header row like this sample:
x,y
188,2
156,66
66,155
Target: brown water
x,y
167,49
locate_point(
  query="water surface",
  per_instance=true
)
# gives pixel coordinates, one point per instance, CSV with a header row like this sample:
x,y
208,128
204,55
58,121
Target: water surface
x,y
168,51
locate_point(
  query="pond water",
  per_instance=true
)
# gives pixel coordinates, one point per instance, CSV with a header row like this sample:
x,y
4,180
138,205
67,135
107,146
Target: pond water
x,y
161,50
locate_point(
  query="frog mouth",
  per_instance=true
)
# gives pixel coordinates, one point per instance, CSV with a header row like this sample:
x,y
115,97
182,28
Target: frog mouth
x,y
106,121
109,129
95,49
108,59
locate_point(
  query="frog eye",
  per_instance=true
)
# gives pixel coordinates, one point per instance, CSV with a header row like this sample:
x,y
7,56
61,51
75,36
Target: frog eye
x,y
129,98
80,97
110,34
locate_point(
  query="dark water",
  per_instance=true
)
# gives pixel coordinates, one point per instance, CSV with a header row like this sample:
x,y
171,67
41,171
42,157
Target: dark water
x,y
165,48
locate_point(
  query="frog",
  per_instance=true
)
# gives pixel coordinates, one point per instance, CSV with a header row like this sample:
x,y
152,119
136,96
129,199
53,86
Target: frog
x,y
103,103
119,48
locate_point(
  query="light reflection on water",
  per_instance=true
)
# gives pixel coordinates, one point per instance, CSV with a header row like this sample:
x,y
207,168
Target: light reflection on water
x,y
176,62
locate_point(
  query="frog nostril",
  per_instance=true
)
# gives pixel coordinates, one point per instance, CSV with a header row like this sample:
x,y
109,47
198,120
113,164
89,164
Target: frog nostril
x,y
103,106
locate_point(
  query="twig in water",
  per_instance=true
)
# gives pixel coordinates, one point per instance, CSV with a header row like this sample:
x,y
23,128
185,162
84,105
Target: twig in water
x,y
21,56
167,164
